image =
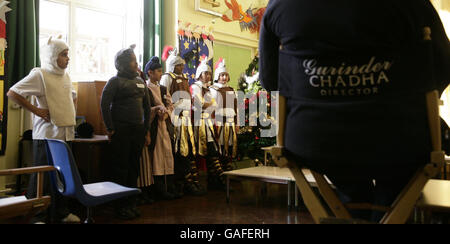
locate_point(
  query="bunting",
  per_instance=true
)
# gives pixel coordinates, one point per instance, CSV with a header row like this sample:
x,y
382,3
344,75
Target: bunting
x,y
195,45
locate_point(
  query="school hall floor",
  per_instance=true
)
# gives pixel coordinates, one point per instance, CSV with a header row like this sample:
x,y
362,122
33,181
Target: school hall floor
x,y
247,206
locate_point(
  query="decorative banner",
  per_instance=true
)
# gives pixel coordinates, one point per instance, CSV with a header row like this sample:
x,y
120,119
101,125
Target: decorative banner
x,y
2,118
196,44
3,46
3,89
249,20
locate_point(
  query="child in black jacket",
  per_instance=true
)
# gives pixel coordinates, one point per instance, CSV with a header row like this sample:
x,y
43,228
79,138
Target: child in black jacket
x,y
126,113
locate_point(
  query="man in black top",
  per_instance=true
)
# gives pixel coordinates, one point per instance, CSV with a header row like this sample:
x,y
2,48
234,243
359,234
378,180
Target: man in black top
x,y
355,74
126,113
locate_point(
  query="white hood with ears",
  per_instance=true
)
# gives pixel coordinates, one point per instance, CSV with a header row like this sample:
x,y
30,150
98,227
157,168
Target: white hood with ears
x,y
50,53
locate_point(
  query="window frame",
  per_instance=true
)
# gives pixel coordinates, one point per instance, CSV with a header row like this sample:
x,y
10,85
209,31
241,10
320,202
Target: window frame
x,y
72,36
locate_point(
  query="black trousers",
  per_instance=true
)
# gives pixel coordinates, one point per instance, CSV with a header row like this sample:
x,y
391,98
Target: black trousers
x,y
227,161
125,152
182,166
59,204
212,159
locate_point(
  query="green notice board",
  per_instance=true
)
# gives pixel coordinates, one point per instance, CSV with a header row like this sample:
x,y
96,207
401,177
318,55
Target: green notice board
x,y
237,60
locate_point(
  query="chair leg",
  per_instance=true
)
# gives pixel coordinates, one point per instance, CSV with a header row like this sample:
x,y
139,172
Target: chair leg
x,y
404,205
228,189
311,200
89,220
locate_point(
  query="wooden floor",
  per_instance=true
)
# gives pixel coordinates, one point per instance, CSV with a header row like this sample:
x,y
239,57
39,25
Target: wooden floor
x,y
247,206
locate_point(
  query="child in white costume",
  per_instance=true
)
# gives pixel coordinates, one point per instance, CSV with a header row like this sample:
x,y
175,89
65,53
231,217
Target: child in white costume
x,y
54,113
177,84
205,136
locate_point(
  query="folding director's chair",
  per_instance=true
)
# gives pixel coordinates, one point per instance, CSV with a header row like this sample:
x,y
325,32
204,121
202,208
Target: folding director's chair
x,y
402,208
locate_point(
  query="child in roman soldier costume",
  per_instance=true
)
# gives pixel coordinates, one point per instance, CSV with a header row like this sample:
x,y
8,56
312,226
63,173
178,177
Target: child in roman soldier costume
x,y
205,136
177,84
225,115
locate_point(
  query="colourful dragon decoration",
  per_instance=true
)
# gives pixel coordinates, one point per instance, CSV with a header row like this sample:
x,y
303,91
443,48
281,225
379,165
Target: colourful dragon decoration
x,y
249,20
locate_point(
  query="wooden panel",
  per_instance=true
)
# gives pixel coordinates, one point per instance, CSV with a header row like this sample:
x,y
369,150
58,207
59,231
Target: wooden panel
x,y
100,129
92,160
89,100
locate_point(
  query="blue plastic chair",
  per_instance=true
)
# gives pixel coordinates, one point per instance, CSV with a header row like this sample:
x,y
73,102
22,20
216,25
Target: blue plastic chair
x,y
68,181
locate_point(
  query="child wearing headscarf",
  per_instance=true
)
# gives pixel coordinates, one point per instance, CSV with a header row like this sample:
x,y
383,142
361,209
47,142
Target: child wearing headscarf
x,y
54,114
126,112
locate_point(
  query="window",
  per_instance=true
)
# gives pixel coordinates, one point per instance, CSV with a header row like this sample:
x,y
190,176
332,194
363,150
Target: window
x,y
95,31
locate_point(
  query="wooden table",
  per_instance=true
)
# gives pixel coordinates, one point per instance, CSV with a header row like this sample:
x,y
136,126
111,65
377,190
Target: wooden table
x,y
89,154
435,199
436,196
267,174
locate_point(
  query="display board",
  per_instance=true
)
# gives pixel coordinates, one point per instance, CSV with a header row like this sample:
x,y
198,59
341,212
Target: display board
x,y
3,85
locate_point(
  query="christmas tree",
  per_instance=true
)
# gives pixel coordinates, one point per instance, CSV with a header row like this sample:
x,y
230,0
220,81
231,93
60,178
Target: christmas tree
x,y
250,140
